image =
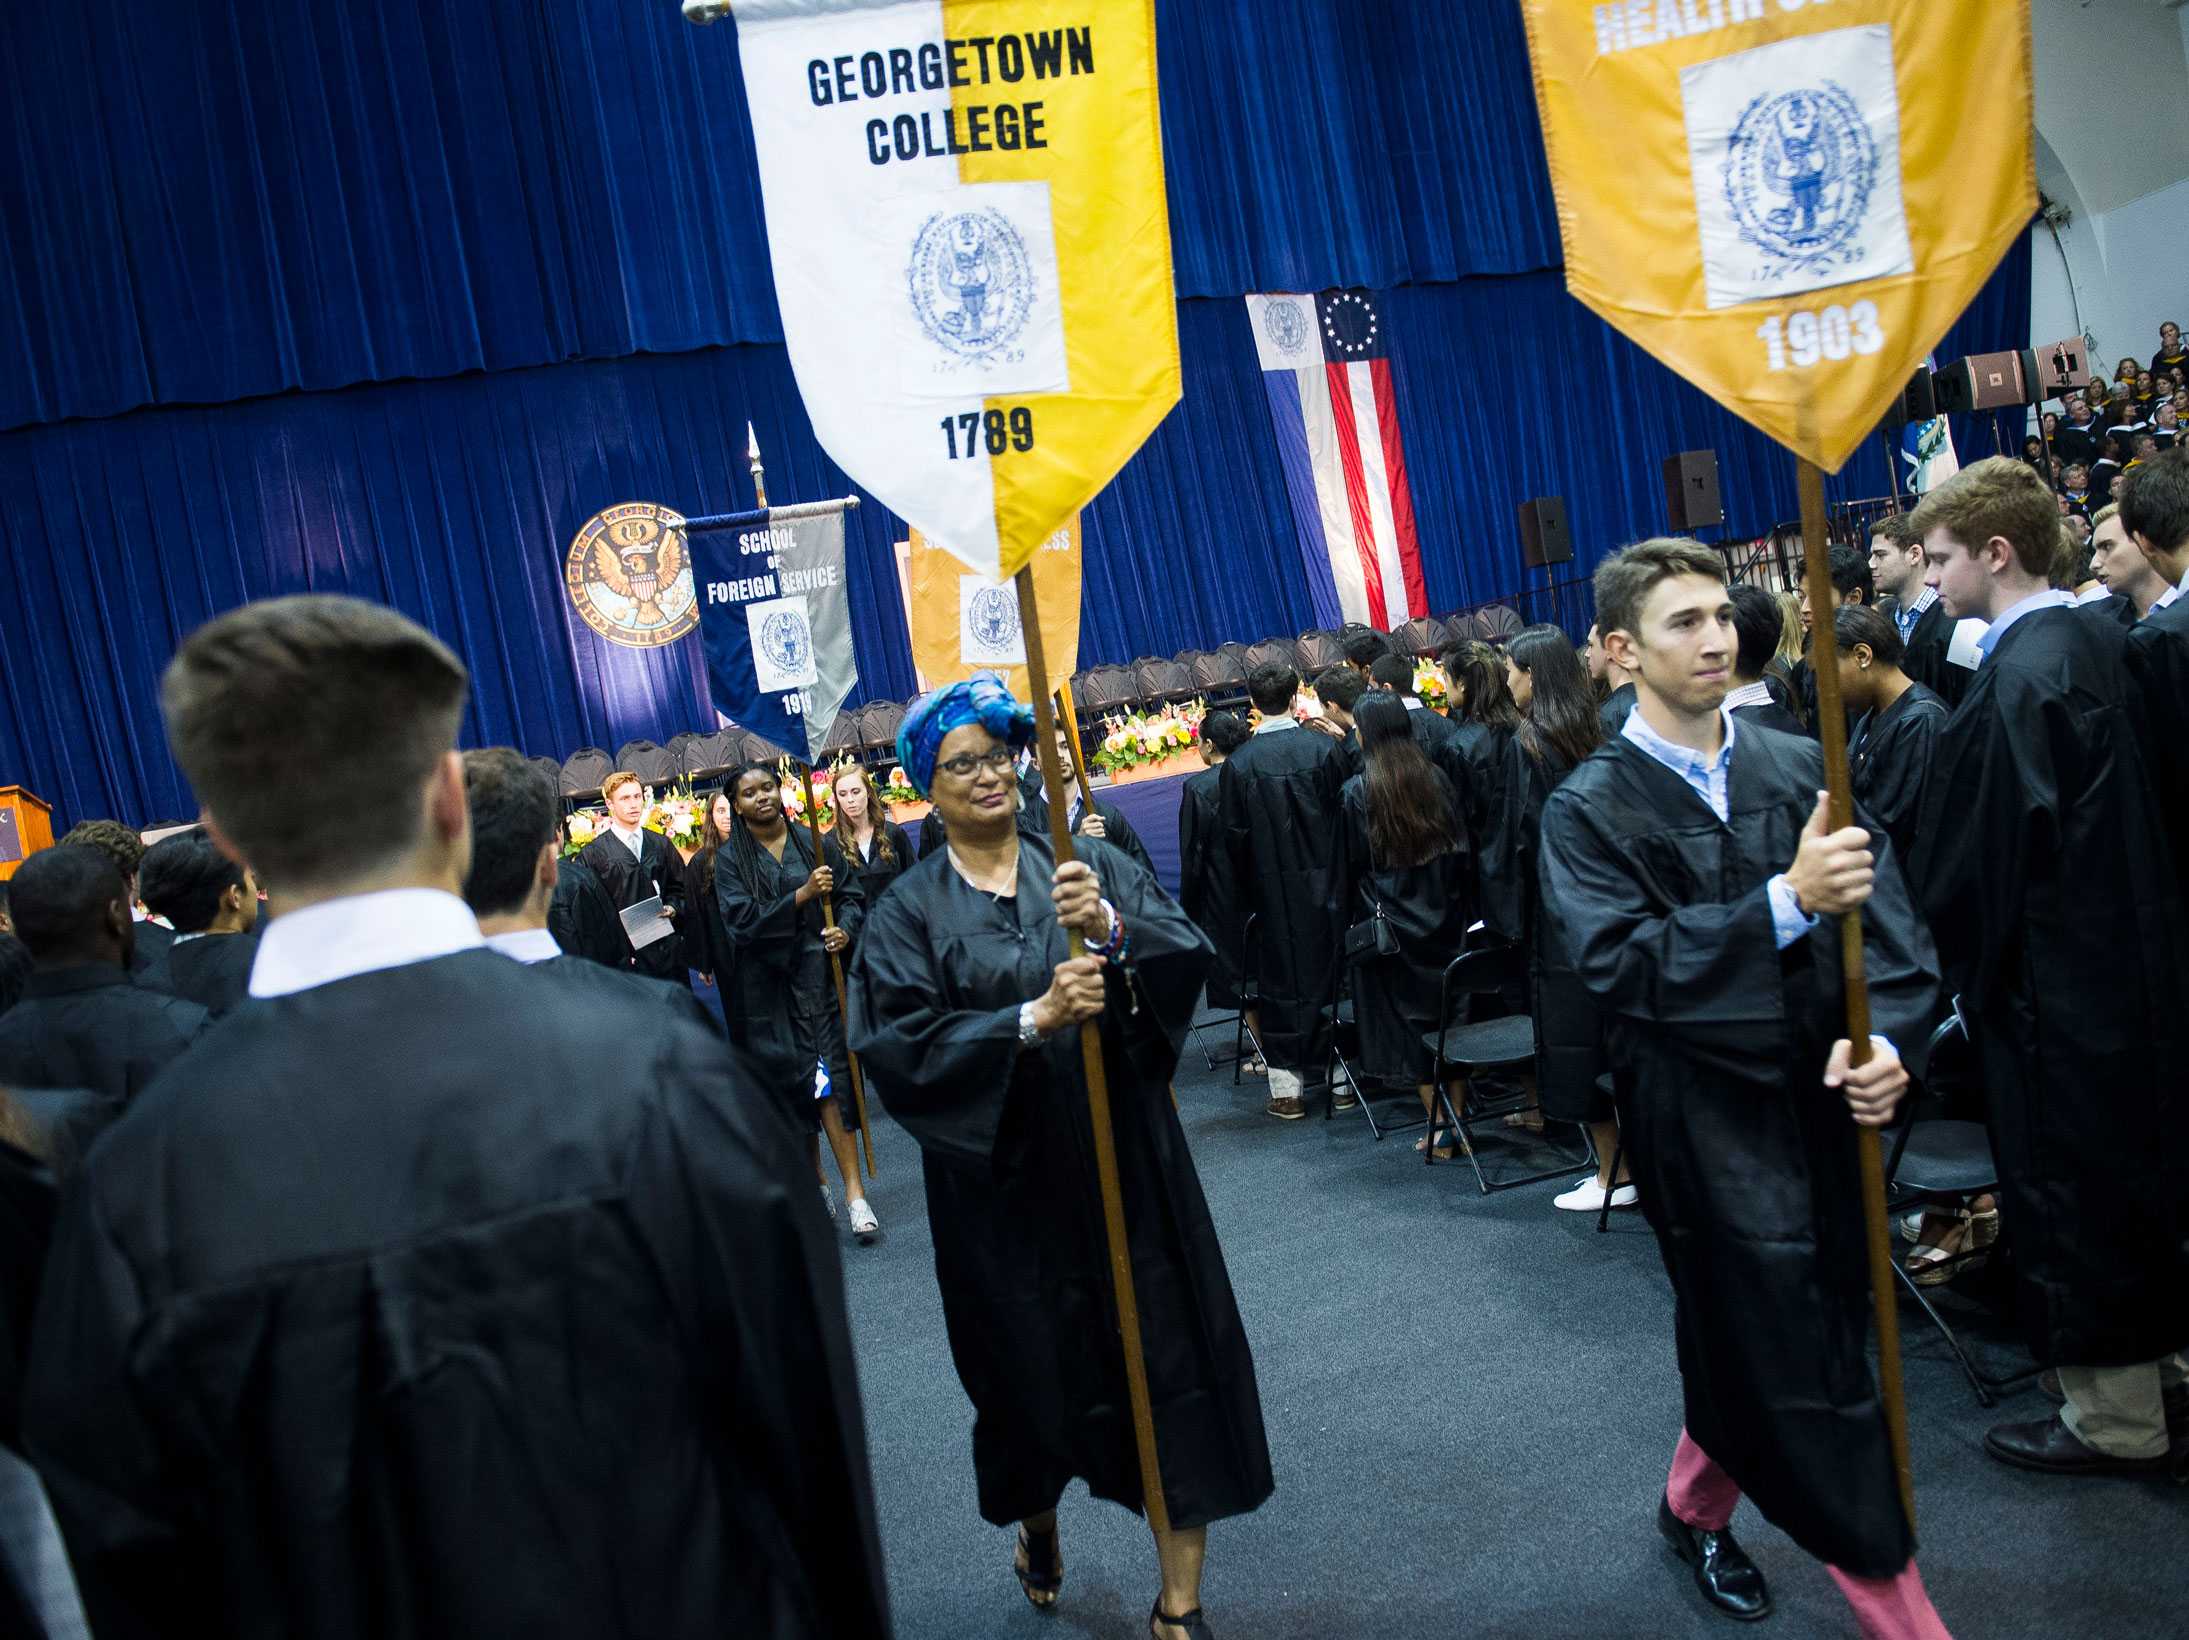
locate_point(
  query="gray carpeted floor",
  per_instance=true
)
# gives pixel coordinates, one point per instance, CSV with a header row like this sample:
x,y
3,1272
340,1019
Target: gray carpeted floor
x,y
1471,1402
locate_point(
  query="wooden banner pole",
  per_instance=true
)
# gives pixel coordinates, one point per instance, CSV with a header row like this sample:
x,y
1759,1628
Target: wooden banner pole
x,y
1832,731
1079,748
1098,1089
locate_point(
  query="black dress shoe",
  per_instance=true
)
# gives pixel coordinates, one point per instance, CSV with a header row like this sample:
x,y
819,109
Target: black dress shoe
x,y
2052,1448
1727,1577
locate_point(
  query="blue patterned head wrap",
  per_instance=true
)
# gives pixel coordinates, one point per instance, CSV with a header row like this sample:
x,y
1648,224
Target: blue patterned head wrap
x,y
983,699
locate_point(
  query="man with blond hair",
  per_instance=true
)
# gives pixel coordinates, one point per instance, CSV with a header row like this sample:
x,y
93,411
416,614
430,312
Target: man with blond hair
x,y
2056,909
1692,880
424,1296
636,865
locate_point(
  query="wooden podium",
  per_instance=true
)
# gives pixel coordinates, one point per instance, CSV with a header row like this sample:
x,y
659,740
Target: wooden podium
x,y
26,826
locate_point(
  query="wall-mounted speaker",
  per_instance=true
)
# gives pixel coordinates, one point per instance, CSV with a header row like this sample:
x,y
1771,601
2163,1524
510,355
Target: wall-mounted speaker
x,y
1543,536
1986,381
1691,490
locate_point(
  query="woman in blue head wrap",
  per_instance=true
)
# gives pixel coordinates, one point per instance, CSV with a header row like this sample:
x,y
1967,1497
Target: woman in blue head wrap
x,y
964,1005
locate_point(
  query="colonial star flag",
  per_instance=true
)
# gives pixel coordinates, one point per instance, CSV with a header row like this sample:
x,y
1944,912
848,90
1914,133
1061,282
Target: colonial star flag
x,y
1326,363
1787,204
971,248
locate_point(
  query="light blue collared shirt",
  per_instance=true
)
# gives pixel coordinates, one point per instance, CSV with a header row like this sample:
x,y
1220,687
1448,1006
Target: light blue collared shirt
x,y
2050,598
1709,778
1905,619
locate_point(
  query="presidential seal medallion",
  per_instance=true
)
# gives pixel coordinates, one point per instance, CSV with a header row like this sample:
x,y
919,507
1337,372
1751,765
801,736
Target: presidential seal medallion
x,y
629,575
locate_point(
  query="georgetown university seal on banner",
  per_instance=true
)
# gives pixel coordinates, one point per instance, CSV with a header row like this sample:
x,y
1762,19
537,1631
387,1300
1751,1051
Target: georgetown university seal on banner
x,y
781,632
993,618
1794,150
1285,326
972,286
629,575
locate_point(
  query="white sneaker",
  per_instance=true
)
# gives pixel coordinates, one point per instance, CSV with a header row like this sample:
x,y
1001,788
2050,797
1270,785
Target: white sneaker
x,y
828,1200
1588,1197
864,1224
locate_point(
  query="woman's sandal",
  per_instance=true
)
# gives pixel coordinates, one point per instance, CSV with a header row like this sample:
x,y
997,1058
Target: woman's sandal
x,y
1195,1626
1040,1569
1969,1237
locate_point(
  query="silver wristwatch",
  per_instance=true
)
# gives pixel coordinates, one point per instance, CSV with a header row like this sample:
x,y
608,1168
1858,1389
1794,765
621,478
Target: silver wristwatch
x,y
1028,1032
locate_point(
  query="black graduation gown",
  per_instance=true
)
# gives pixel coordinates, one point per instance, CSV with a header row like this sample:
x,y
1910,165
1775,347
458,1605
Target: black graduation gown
x,y
706,946
1925,659
350,1332
2045,872
877,871
1747,1165
583,918
658,870
1429,908
91,1026
213,971
1569,1033
1203,885
780,990
2157,658
620,990
1889,759
1013,1203
1615,708
29,1202
1771,715
149,946
1283,863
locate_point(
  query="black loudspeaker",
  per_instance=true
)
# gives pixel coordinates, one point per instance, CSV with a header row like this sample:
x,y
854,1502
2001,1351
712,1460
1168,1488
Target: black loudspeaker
x,y
1918,401
1987,381
1691,490
2061,368
1543,537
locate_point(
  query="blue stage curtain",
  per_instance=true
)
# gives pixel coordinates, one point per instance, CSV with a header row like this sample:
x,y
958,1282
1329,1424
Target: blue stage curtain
x,y
455,500
209,202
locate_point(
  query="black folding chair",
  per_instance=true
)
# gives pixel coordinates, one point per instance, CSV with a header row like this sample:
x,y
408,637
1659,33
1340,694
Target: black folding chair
x,y
1464,1051
1944,1163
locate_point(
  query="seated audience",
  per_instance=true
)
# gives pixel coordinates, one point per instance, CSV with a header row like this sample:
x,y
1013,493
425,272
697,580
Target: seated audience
x,y
82,1022
212,905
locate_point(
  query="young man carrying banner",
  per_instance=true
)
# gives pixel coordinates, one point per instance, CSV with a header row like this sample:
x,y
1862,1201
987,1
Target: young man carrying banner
x,y
1713,951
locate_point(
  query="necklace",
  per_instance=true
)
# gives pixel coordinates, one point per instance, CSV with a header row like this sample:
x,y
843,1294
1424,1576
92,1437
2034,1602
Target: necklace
x,y
1006,875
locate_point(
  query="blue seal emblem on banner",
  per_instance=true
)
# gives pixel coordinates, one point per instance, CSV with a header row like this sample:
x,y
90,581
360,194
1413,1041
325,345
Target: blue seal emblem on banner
x,y
993,617
1800,170
971,285
787,641
1286,329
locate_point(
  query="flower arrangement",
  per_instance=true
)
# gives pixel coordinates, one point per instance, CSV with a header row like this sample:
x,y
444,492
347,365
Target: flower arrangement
x,y
1305,705
797,794
898,787
675,816
1142,738
584,826
1429,684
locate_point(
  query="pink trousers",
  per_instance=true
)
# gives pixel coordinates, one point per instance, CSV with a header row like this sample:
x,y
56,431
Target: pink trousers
x,y
1887,1608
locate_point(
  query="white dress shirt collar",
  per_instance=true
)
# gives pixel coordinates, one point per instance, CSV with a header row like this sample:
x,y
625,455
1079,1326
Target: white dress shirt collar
x,y
360,934
1271,725
634,839
525,944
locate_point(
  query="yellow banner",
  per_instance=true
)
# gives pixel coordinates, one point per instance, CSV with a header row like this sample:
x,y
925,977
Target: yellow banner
x,y
1787,203
962,622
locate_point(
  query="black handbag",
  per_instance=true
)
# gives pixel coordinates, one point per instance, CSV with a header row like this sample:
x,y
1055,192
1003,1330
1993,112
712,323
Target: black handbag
x,y
1373,936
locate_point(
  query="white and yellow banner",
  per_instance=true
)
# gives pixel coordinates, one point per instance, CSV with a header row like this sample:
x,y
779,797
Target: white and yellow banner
x,y
971,249
1787,203
964,622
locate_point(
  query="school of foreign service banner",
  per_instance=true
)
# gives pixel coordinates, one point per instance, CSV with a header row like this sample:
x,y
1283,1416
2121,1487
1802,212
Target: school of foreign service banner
x,y
1326,364
1787,203
964,622
775,618
971,249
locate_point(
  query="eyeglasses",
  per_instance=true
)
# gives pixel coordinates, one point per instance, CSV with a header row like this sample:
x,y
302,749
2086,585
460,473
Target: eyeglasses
x,y
967,764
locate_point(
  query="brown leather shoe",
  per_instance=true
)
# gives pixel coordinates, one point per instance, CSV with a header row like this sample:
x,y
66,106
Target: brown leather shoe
x,y
1287,1110
2051,1448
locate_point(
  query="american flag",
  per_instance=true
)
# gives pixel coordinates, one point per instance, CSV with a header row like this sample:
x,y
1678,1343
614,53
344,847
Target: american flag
x,y
1326,363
